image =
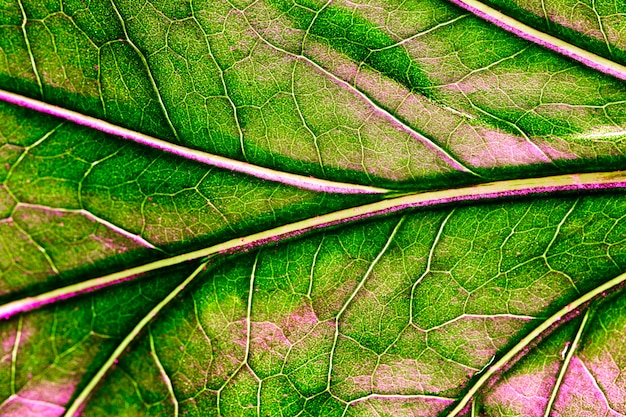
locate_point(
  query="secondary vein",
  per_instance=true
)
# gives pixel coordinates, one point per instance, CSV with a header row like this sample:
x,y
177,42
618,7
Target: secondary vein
x,y
536,333
300,181
78,402
541,38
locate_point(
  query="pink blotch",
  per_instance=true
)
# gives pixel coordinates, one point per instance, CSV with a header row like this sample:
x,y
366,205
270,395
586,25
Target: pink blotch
x,y
268,337
403,407
525,394
239,333
609,376
299,322
498,148
109,243
476,145
8,340
409,376
379,118
580,395
57,392
340,65
21,407
360,382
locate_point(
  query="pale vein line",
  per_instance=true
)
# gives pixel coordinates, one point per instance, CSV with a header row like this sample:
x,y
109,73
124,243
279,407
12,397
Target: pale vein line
x,y
402,397
601,26
451,160
308,29
223,81
600,135
248,336
164,375
300,181
249,332
546,158
258,398
310,289
16,346
483,192
78,402
27,149
482,316
550,323
144,61
249,308
40,248
303,120
17,398
30,51
565,365
354,293
420,34
595,384
557,232
548,41
428,264
85,213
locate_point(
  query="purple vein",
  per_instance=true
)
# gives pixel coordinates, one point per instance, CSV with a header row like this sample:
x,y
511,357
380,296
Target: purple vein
x,y
541,38
300,181
483,192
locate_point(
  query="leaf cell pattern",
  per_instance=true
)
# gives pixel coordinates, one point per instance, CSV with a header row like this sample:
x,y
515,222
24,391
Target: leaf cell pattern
x,y
307,208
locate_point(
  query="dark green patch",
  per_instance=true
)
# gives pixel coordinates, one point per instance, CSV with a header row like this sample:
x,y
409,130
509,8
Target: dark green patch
x,y
361,41
532,124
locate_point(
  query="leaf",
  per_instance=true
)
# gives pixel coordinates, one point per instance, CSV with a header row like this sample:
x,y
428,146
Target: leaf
x,y
312,208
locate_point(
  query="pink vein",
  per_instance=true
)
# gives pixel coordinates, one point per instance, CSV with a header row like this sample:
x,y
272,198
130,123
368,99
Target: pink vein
x,y
555,44
300,181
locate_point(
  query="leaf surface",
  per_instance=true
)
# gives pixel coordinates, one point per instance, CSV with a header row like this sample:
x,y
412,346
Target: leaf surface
x,y
308,208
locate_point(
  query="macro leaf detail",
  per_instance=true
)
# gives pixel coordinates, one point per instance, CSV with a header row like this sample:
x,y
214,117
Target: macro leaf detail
x,y
312,208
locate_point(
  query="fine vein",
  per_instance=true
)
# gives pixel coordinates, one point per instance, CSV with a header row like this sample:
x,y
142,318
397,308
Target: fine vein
x,y
351,298
541,38
482,192
89,215
301,181
144,61
30,51
164,376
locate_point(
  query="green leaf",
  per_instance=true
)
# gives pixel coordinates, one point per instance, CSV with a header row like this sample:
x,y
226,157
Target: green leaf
x,y
307,208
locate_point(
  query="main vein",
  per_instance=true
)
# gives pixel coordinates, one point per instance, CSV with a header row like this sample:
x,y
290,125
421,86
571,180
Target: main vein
x,y
541,38
483,192
300,181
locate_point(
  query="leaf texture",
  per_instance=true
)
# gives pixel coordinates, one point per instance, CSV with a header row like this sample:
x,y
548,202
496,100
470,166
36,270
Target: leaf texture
x,y
312,208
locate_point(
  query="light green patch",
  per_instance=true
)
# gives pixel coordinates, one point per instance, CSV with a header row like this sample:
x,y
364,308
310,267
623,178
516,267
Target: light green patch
x,y
240,397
